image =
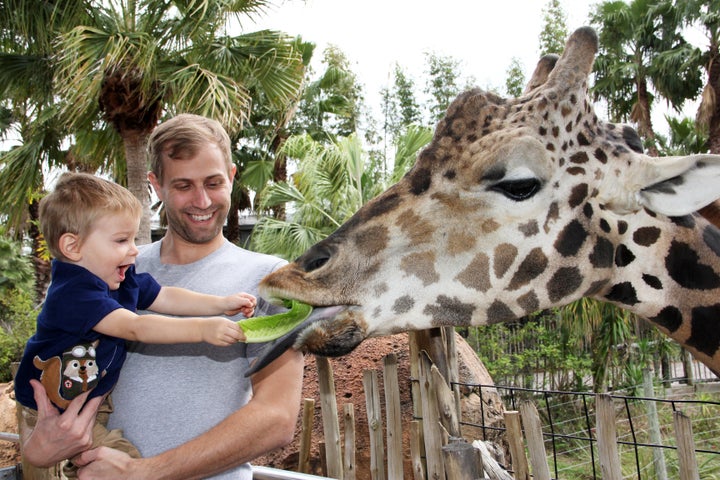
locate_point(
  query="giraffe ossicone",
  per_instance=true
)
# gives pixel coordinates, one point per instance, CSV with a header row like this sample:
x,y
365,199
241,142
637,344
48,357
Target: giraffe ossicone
x,y
518,205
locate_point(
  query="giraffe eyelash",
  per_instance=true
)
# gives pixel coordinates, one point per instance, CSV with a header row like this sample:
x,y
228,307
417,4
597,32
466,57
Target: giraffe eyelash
x,y
518,190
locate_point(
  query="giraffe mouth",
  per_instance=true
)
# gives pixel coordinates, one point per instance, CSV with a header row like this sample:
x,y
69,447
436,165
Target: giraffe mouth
x,y
328,332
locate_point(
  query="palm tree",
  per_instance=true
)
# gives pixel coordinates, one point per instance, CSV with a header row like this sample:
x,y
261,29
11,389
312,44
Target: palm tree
x,y
136,60
112,70
640,45
331,183
706,15
29,116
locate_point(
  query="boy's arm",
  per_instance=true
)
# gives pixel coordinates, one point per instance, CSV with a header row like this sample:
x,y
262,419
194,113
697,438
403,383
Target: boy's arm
x,y
265,423
180,301
152,328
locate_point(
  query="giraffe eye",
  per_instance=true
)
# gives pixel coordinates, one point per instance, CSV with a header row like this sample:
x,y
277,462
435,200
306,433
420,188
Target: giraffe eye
x,y
518,190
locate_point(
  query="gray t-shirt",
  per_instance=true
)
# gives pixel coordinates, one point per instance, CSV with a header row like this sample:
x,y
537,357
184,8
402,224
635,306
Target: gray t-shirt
x,y
169,394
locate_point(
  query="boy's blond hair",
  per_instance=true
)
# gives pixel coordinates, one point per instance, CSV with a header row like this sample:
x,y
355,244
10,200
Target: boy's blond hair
x,y
180,137
76,203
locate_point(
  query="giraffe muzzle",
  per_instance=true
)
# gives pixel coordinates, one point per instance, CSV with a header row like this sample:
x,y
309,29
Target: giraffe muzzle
x,y
328,331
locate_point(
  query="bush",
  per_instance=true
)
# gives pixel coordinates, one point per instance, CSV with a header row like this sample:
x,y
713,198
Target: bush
x,y
17,324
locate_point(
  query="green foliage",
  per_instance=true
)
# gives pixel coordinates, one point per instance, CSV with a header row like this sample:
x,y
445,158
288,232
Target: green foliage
x,y
515,82
534,346
17,324
442,86
685,138
554,32
15,269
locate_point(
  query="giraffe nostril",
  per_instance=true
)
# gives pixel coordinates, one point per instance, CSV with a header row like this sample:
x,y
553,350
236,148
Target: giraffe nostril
x,y
315,257
315,263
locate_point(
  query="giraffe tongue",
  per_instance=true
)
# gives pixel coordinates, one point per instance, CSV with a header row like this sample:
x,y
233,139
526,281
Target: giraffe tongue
x,y
277,347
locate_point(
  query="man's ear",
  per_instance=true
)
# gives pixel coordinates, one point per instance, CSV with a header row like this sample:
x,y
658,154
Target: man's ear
x,y
70,246
155,182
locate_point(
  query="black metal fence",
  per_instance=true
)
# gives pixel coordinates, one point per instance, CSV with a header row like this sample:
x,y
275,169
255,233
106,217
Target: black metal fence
x,y
645,432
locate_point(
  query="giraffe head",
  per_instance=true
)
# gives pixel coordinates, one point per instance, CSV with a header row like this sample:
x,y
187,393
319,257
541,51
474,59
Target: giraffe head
x,y
517,205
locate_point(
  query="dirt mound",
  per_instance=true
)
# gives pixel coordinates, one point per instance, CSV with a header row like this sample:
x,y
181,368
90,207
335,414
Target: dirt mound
x,y
9,451
348,376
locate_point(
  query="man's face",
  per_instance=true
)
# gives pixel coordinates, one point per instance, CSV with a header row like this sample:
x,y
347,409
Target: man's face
x,y
196,194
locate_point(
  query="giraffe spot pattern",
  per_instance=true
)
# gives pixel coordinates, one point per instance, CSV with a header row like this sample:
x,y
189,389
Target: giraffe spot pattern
x,y
652,281
422,266
499,312
623,256
571,238
415,227
602,253
420,180
372,240
705,334
595,288
578,195
477,274
449,311
529,229
624,293
532,266
529,302
683,266
646,236
403,304
711,237
504,255
669,318
564,282
552,215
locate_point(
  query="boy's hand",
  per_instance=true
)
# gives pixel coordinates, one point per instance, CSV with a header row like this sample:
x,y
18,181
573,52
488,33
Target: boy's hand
x,y
240,303
221,331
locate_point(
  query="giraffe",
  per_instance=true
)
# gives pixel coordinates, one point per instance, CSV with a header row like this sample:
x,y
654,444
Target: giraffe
x,y
518,205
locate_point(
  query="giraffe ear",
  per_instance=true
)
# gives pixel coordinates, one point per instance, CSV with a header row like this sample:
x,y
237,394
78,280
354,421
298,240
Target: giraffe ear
x,y
676,186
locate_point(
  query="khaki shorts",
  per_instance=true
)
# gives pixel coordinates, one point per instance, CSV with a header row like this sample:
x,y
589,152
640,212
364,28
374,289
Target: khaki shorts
x,y
27,418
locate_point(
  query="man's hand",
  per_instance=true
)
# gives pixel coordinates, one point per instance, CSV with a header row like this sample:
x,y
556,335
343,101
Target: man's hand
x,y
59,436
104,463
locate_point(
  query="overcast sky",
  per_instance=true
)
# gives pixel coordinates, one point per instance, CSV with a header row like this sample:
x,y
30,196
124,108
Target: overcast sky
x,y
484,35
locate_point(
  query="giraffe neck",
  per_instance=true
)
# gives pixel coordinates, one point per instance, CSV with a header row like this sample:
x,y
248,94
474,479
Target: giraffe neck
x,y
676,288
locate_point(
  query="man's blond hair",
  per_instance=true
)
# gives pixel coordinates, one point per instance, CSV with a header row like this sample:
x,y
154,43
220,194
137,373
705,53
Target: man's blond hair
x,y
77,202
181,137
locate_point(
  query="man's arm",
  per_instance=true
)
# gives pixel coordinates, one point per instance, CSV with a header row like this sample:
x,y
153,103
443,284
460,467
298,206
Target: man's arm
x,y
267,422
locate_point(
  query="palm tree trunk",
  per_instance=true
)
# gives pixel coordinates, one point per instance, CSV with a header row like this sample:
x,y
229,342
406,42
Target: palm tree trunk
x,y
134,142
642,117
714,82
41,266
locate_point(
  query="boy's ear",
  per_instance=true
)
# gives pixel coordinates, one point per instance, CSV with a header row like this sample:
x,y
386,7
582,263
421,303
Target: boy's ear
x,y
70,246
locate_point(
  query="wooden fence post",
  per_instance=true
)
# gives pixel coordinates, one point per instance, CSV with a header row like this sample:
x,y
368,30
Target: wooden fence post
x,y
306,438
331,427
654,426
535,442
462,460
349,464
374,416
685,446
607,437
446,403
430,422
416,449
393,418
513,432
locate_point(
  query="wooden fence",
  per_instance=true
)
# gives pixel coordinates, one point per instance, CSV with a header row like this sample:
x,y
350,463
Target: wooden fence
x,y
437,449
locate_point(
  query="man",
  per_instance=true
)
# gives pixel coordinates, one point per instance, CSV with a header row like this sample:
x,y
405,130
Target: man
x,y
189,408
